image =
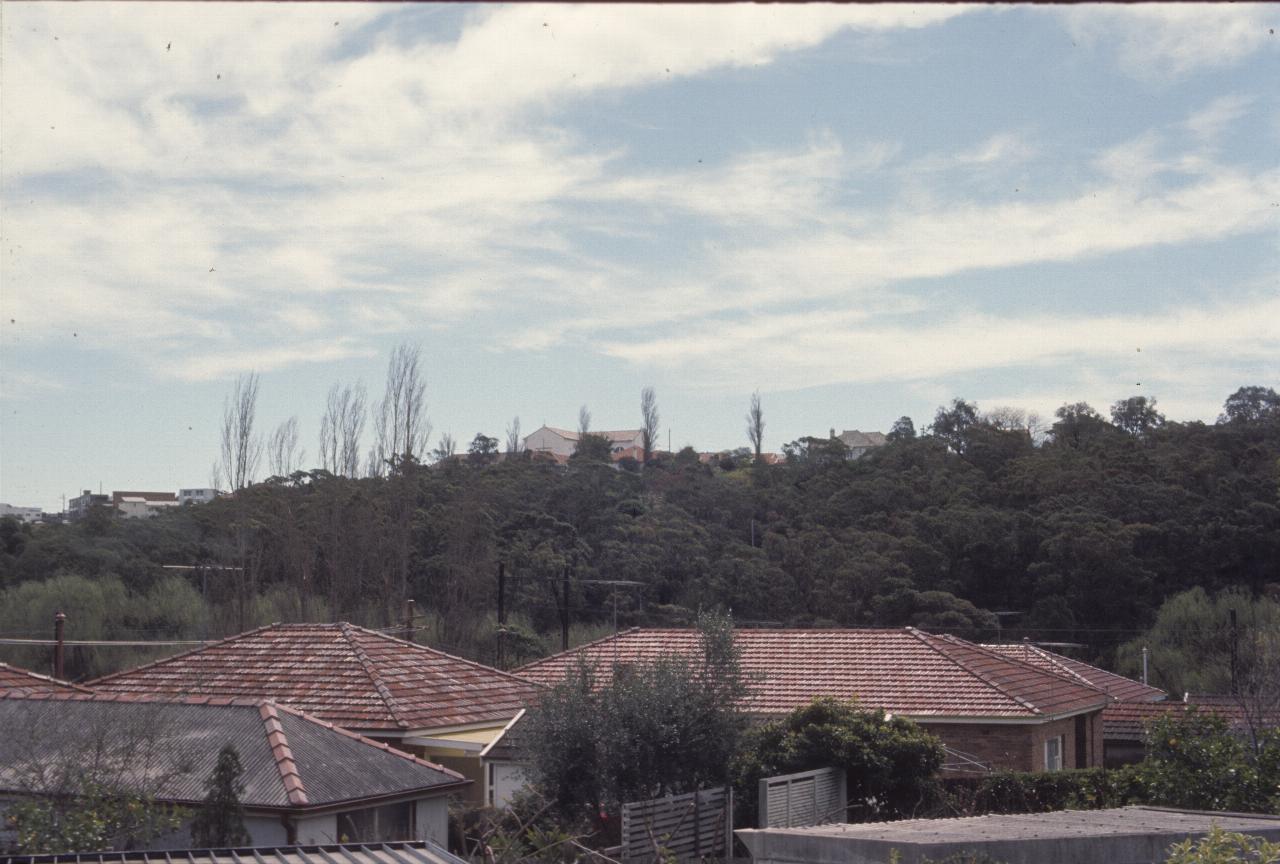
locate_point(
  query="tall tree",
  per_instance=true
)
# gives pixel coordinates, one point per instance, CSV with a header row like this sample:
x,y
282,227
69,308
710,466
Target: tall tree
x,y
951,425
400,420
903,430
649,422
755,424
219,823
1251,405
1136,415
341,428
241,445
283,456
584,421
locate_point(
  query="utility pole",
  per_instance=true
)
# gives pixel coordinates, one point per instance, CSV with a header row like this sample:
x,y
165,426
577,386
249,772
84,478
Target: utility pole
x,y
1146,653
408,620
59,624
1235,639
502,608
564,612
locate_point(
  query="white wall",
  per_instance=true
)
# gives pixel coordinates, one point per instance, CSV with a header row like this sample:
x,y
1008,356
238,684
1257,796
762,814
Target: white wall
x,y
547,441
505,780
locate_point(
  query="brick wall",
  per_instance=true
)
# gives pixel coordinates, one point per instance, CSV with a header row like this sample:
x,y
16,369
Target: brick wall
x,y
1020,747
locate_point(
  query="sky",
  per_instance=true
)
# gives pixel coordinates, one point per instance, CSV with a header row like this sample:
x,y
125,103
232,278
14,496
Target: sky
x,y
860,212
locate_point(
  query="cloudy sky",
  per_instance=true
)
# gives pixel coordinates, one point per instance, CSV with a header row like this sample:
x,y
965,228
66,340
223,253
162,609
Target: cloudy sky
x,y
860,211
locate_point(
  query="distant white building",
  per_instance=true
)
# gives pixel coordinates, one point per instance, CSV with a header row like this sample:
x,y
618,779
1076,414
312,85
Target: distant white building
x,y
197,496
563,442
142,505
22,514
859,442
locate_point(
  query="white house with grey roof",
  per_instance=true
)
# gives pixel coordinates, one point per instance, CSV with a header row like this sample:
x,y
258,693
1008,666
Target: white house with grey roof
x,y
305,780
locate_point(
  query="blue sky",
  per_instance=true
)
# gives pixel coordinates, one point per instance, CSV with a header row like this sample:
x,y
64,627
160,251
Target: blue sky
x,y
860,211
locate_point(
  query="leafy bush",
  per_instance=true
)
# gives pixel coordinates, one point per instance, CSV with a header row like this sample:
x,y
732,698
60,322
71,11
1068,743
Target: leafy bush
x,y
1224,847
889,764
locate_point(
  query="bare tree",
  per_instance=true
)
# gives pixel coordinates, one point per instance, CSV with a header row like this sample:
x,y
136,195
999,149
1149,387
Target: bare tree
x,y
446,448
400,419
755,424
241,446
341,428
283,456
584,421
514,444
649,417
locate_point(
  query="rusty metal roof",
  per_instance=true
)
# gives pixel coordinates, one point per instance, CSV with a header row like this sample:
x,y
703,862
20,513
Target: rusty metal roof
x,y
290,760
903,671
357,678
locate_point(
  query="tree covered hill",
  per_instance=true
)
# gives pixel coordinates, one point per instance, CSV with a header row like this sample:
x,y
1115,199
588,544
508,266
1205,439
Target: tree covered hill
x,y
1077,536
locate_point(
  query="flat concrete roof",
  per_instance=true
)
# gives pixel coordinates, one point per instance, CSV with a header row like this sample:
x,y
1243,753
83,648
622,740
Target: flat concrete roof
x,y
1125,835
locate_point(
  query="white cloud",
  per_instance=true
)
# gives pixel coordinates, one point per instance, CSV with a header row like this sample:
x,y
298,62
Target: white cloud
x,y
1211,121
205,366
823,347
1154,41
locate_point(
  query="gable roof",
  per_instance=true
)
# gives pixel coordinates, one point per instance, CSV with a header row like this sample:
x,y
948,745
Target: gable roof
x,y
614,435
357,678
903,671
16,678
853,438
1123,689
290,760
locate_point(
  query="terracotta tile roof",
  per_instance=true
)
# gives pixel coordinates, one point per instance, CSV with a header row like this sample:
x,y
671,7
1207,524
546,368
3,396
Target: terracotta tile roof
x,y
357,678
1123,689
291,760
15,678
1127,721
903,671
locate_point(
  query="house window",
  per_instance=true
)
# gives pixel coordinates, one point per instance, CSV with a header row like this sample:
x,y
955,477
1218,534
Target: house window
x,y
377,824
1053,754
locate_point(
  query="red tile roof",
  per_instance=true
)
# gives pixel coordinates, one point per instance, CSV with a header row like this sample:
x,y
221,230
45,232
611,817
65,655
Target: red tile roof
x,y
356,678
15,678
1127,721
903,671
1123,689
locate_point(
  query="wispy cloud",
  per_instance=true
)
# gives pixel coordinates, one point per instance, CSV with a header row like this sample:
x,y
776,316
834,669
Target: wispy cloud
x,y
1154,41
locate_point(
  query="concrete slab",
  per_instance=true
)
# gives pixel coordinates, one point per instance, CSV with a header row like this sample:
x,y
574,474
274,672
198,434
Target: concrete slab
x,y
1125,835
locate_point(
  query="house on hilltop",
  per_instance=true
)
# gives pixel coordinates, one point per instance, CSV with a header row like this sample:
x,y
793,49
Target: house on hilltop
x,y
434,705
304,781
859,443
992,711
561,443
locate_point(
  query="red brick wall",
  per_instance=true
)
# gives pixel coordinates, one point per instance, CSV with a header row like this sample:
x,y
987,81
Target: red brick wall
x,y
1018,746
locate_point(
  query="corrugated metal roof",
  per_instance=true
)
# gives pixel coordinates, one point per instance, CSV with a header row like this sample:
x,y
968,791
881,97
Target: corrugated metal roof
x,y
904,671
289,760
356,678
416,852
